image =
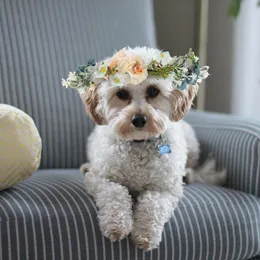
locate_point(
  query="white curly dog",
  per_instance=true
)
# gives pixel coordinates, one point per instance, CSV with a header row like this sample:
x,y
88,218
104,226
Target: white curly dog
x,y
137,189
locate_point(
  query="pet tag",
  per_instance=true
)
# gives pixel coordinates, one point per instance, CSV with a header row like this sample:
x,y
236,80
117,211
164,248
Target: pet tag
x,y
164,149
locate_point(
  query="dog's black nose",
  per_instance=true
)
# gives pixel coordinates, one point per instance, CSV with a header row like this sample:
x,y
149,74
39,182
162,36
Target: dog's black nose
x,y
139,120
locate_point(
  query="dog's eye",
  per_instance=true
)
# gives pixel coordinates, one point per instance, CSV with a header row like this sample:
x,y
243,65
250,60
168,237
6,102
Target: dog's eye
x,y
152,92
122,94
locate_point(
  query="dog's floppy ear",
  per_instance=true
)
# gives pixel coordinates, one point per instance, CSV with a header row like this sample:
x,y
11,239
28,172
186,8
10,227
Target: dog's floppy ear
x,y
182,101
91,100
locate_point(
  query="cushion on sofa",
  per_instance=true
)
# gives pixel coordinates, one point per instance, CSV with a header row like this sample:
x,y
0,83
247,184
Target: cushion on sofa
x,y
51,215
20,146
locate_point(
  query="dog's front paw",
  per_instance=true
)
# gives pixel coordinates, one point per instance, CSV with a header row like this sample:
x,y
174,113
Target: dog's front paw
x,y
144,240
116,233
116,226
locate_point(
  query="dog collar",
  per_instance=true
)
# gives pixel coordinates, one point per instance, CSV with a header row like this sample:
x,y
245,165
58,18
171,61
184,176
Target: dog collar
x,y
162,148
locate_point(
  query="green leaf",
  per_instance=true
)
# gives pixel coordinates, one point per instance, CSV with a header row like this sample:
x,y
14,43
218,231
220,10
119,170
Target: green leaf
x,y
234,8
258,4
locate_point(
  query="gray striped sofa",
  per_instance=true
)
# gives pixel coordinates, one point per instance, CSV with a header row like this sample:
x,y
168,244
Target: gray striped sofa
x,y
50,216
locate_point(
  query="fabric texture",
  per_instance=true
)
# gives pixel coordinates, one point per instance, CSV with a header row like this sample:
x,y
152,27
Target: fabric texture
x,y
50,216
235,143
41,41
20,146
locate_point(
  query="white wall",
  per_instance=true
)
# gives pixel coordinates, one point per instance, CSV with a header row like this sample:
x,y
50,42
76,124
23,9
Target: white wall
x,y
246,62
234,59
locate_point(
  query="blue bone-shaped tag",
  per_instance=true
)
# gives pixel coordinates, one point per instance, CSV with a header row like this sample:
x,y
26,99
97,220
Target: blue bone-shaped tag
x,y
164,149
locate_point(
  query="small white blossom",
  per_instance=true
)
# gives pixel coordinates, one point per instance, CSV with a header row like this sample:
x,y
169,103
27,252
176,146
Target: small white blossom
x,y
101,72
65,83
189,63
193,77
119,80
72,76
204,72
185,70
196,59
96,79
164,57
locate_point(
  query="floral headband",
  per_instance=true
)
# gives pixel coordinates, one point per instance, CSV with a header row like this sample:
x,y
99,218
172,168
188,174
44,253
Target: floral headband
x,y
124,68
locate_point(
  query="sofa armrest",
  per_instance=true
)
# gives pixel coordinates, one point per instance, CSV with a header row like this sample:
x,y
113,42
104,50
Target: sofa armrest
x,y
235,144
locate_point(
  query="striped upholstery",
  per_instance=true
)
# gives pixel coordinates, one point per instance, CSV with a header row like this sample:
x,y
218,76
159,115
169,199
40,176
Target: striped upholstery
x,y
235,143
40,41
50,216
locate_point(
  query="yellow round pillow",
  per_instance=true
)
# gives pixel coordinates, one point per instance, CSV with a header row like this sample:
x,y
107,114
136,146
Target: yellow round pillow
x,y
20,146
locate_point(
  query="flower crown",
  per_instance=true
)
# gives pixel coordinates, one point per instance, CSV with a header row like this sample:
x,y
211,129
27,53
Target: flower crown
x,y
130,68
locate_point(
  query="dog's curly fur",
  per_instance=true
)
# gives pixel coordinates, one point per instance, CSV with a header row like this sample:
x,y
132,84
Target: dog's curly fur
x,y
135,188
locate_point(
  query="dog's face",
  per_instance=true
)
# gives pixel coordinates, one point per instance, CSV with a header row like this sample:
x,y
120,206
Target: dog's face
x,y
137,112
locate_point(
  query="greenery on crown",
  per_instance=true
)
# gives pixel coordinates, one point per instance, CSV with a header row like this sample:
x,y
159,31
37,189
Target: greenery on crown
x,y
183,67
183,70
83,74
84,68
179,67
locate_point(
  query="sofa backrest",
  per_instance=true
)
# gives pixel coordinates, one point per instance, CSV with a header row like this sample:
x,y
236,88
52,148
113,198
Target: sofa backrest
x,y
41,41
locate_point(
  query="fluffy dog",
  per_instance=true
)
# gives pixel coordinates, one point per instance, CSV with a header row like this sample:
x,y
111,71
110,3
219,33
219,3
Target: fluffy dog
x,y
136,186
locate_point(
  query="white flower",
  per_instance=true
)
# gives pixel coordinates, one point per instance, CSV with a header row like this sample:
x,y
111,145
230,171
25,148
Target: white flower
x,y
71,80
164,57
95,79
119,80
65,83
72,76
204,72
196,59
184,70
189,63
101,72
193,77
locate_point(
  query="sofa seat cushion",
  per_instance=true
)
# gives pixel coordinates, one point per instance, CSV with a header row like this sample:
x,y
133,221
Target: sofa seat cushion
x,y
51,216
